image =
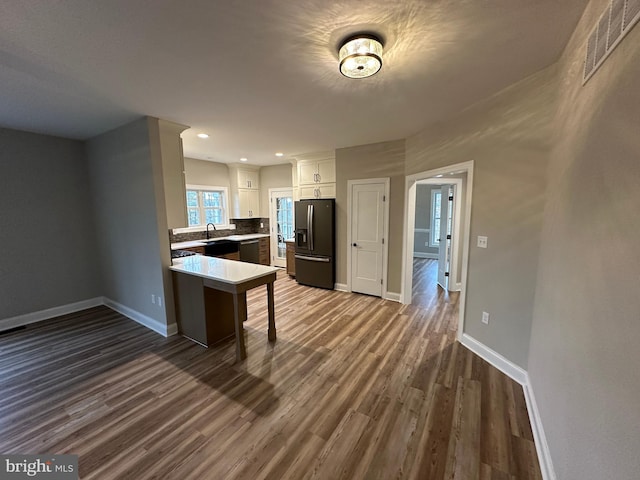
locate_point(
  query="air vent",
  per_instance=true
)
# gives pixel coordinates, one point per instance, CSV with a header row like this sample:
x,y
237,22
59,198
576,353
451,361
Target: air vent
x,y
616,21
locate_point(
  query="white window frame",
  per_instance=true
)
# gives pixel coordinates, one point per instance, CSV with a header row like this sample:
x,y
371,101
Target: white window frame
x,y
433,241
225,207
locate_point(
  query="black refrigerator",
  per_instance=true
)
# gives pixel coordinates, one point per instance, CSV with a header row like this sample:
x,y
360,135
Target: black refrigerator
x,y
315,243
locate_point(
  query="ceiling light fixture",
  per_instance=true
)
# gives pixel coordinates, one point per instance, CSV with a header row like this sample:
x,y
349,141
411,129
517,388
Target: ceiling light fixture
x,y
360,56
279,154
203,135
243,159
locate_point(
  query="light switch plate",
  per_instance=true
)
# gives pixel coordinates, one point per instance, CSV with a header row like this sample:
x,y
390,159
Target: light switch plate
x,y
485,318
482,242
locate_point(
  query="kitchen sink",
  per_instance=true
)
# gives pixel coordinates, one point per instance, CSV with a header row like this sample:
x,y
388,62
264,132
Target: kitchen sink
x,y
215,248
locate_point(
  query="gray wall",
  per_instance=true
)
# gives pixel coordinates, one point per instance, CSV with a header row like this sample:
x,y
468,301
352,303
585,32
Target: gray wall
x,y
123,186
273,176
378,160
46,229
584,356
423,220
508,137
203,172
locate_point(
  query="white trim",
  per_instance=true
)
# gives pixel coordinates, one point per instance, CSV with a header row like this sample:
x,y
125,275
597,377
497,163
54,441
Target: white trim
x,y
342,287
521,376
151,323
39,316
494,358
409,227
385,250
425,255
539,437
226,207
273,235
392,296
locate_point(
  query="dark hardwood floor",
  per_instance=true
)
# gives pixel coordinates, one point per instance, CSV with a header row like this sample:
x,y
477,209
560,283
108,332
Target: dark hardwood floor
x,y
355,387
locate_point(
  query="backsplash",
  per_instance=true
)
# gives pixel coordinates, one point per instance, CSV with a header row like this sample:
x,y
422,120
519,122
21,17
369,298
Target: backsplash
x,y
243,226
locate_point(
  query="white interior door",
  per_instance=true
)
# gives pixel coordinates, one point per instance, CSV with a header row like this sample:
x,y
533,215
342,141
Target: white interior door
x,y
281,223
444,253
367,233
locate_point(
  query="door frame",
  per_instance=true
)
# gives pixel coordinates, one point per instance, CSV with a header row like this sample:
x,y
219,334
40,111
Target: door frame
x,y
273,235
385,248
409,224
453,283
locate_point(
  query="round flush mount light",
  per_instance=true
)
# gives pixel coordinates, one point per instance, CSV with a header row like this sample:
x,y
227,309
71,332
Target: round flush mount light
x,y
279,154
360,56
243,159
202,135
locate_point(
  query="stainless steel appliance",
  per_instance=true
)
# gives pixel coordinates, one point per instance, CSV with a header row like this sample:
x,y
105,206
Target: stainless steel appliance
x,y
315,243
250,251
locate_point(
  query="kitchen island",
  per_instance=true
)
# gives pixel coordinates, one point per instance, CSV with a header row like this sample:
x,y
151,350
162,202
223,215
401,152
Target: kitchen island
x,y
211,300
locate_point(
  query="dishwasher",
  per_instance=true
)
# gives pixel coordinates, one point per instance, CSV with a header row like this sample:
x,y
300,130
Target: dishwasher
x,y
250,251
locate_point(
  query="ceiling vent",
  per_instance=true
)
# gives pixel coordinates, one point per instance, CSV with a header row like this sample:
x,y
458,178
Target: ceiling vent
x,y
616,21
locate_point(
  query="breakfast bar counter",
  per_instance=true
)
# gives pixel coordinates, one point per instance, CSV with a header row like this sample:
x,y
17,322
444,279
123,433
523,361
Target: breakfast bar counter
x,y
211,302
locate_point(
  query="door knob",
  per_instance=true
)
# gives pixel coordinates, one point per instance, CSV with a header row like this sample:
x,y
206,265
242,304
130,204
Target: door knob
x,y
355,244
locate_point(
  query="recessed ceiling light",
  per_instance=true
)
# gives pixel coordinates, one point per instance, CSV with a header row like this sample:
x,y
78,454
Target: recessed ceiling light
x,y
279,154
438,176
203,135
243,159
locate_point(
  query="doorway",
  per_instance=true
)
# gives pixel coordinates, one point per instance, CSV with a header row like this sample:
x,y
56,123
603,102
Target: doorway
x,y
367,222
436,244
281,223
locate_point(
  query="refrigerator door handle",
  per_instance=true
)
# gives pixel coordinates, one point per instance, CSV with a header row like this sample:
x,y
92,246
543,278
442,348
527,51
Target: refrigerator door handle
x,y
310,225
313,259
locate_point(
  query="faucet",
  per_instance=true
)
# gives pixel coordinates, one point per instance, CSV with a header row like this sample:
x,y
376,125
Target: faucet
x,y
214,227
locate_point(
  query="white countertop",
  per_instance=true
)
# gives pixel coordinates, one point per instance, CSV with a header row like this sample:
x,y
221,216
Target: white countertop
x,y
203,242
227,271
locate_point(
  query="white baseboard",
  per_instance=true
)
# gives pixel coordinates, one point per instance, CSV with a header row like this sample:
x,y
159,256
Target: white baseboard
x,y
33,317
494,358
341,287
393,296
142,319
522,377
425,255
542,447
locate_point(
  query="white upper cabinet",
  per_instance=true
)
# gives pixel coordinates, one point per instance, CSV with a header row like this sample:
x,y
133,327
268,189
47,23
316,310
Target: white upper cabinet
x,y
311,172
248,179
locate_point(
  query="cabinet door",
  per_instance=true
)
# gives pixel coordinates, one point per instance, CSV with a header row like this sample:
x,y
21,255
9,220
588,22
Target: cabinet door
x,y
248,179
326,171
249,203
307,192
307,172
326,190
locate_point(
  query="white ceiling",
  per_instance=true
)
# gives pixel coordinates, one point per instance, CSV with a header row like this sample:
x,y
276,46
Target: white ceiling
x,y
261,76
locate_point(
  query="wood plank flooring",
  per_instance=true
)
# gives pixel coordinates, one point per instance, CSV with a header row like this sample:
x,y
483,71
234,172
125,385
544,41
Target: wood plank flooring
x,y
355,387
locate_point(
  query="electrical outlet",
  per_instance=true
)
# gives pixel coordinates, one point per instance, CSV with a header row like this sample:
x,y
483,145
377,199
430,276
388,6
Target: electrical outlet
x,y
426,244
159,301
153,299
261,225
482,242
485,318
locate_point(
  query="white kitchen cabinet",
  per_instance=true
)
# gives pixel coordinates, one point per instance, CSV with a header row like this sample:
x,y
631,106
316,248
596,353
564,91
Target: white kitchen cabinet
x,y
316,175
245,191
311,172
248,203
325,190
248,179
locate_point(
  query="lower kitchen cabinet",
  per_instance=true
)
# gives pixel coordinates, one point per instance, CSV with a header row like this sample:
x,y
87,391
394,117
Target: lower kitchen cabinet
x,y
265,251
291,259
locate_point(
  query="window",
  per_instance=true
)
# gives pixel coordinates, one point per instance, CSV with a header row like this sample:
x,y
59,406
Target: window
x,y
206,205
436,204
